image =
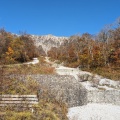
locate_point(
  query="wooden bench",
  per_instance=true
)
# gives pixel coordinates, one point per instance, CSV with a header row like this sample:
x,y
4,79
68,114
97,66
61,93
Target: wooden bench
x,y
24,101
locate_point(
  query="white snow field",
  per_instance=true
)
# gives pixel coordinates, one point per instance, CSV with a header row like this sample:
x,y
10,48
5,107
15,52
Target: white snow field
x,y
94,112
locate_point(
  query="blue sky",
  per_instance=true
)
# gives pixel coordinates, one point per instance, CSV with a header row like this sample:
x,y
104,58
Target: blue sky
x,y
57,17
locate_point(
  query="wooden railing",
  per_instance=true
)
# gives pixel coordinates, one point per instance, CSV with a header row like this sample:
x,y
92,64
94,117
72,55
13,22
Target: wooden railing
x,y
18,100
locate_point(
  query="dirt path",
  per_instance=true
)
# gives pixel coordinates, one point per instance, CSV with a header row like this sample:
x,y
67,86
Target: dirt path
x,y
90,111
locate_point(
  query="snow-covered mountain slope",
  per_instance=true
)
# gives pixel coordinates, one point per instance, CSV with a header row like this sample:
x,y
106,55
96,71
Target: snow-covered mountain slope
x,y
48,41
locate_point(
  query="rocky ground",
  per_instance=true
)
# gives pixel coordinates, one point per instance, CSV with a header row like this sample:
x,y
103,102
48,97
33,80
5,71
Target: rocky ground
x,y
95,112
91,111
88,80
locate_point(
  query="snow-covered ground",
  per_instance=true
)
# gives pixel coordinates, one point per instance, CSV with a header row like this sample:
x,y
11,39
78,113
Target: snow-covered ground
x,y
95,112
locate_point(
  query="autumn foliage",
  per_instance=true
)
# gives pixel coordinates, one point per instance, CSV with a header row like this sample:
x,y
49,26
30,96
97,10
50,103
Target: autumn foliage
x,y
91,52
14,48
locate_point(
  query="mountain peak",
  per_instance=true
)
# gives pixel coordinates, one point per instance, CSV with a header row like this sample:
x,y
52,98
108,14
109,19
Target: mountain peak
x,y
48,41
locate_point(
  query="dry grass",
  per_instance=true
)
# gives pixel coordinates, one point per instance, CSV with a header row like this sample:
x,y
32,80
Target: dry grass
x,y
48,108
73,64
110,73
41,68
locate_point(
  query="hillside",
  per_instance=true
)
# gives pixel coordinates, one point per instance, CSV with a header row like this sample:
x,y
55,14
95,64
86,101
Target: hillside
x,y
48,41
83,69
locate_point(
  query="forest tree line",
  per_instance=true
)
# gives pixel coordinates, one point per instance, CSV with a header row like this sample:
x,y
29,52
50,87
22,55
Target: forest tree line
x,y
16,48
88,51
85,51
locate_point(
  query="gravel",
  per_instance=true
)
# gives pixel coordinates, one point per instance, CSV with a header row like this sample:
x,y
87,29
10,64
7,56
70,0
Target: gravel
x,y
95,112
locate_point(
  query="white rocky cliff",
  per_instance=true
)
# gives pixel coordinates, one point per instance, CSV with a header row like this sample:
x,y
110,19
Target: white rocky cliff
x,y
48,41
